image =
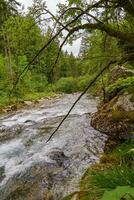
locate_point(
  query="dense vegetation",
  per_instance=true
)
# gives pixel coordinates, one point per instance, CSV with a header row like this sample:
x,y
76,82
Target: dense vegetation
x,y
21,38
36,70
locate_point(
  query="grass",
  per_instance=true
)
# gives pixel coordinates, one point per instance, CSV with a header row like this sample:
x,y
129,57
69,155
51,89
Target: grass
x,y
116,169
38,95
113,177
32,96
121,83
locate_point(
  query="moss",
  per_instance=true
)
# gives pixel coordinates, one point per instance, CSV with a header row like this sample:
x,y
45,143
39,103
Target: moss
x,y
67,197
121,84
130,115
117,115
120,114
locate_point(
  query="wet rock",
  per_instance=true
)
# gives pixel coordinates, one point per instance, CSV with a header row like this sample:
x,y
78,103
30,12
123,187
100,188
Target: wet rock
x,y
115,74
13,107
8,109
115,116
28,103
29,122
60,158
7,133
2,173
124,101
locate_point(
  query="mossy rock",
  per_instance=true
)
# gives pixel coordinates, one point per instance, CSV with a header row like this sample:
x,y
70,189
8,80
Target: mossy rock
x,y
116,118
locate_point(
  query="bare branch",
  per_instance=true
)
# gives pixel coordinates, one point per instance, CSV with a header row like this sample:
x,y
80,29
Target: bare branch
x,y
49,42
57,58
100,26
86,89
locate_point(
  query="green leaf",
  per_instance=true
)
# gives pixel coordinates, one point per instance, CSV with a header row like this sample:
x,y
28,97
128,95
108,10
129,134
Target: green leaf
x,y
124,192
74,2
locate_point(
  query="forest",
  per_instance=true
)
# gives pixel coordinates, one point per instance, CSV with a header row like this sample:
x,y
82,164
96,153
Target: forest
x,y
34,65
66,73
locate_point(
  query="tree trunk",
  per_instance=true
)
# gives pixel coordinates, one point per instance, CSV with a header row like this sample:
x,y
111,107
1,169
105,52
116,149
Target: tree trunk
x,y
8,58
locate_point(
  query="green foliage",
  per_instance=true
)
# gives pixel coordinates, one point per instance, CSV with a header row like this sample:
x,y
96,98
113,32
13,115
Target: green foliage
x,y
2,69
121,83
97,50
83,81
74,2
38,83
22,38
111,178
124,153
119,193
70,84
115,169
67,85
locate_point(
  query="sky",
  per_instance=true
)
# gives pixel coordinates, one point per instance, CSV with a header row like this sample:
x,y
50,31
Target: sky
x,y
52,6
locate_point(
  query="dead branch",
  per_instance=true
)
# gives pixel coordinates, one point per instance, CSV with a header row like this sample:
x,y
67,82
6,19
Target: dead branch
x,y
58,55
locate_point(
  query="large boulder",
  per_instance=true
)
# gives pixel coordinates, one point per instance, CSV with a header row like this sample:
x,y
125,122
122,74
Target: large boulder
x,y
116,118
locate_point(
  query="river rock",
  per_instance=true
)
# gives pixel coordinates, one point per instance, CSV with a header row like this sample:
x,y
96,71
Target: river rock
x,y
28,103
7,133
115,74
2,173
60,158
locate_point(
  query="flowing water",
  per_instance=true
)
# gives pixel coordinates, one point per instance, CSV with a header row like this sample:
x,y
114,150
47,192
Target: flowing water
x,y
30,168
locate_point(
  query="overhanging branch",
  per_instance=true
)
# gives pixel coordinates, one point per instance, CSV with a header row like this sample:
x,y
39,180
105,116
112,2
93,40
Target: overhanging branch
x,y
86,89
50,41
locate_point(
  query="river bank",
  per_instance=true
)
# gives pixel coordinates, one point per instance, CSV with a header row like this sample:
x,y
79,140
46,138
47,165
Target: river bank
x,y
28,101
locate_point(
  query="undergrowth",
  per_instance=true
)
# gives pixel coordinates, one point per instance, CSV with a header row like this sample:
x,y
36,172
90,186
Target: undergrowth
x,y
114,172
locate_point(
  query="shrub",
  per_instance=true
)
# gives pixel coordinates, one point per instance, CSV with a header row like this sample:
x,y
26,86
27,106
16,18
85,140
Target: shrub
x,y
38,83
120,84
111,178
67,85
83,82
